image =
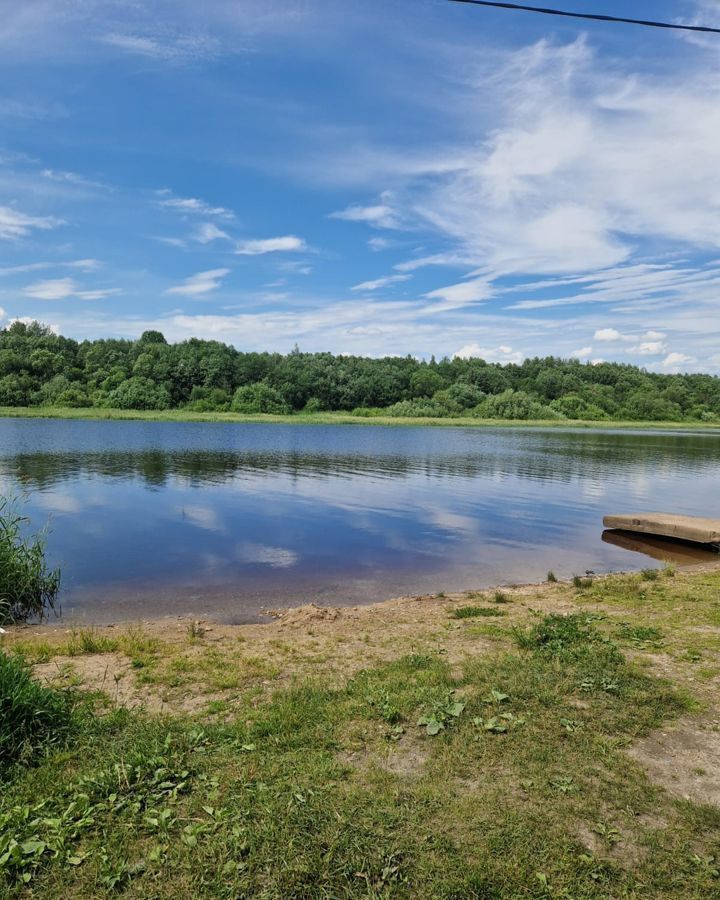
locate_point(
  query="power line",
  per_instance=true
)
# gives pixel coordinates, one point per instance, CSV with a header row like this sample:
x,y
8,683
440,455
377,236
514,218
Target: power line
x,y
595,17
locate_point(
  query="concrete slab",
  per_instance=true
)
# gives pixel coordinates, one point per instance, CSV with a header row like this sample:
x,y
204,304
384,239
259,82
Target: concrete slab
x,y
684,528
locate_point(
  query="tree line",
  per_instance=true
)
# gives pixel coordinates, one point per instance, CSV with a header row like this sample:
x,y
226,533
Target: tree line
x,y
41,368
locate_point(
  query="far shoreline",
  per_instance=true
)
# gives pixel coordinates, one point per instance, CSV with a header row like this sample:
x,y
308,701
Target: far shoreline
x,y
341,418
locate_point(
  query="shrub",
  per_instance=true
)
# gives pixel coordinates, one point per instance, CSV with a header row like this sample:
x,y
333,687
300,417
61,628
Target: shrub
x,y
368,412
514,405
139,393
414,409
31,715
458,398
313,405
259,398
576,407
204,399
27,588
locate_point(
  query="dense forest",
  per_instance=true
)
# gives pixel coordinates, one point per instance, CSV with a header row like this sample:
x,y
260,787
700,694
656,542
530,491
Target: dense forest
x,y
40,368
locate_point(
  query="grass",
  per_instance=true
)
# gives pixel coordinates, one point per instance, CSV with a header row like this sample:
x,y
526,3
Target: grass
x,y
32,717
472,612
497,772
333,418
28,589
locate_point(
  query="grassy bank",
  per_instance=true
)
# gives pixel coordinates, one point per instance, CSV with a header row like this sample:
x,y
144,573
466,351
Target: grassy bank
x,y
332,418
549,742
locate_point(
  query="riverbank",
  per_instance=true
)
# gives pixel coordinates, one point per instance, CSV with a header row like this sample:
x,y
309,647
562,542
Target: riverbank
x,y
336,418
569,746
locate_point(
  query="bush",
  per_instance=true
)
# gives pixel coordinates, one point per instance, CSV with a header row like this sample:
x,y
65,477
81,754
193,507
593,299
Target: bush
x,y
413,409
139,393
368,412
27,588
203,399
313,406
575,407
259,398
31,715
458,398
514,405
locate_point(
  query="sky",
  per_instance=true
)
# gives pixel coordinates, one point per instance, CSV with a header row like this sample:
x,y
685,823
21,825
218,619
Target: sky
x,y
375,177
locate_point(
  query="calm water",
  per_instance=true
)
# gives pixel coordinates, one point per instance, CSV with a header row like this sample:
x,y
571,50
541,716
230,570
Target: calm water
x,y
217,519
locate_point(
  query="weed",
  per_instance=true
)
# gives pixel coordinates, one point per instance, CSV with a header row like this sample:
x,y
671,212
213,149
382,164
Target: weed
x,y
557,634
582,583
384,706
500,597
608,833
442,713
640,635
196,631
551,577
565,784
650,574
85,641
473,612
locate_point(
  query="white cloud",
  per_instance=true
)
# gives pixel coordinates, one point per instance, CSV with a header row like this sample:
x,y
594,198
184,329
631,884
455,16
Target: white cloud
x,y
609,334
676,360
380,283
207,232
437,259
3,314
201,283
567,178
170,48
582,353
649,348
376,244
295,267
503,353
465,292
287,244
171,241
63,288
72,178
380,216
654,335
193,205
85,265
14,224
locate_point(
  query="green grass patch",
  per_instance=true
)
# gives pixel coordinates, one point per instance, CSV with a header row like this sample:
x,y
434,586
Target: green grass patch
x,y
474,612
410,780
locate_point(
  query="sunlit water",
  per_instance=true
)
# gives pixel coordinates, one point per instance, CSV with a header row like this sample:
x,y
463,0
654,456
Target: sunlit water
x,y
151,518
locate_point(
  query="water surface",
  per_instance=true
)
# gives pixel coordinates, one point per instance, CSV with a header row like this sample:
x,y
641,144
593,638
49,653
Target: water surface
x,y
150,518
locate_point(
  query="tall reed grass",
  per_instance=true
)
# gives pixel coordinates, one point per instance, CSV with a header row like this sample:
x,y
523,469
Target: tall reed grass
x,y
32,716
28,589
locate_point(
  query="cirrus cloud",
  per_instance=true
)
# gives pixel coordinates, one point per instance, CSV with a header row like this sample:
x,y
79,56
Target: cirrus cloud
x,y
64,288
200,283
286,244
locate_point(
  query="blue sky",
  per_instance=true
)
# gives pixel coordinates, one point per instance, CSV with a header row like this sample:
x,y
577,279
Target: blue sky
x,y
375,177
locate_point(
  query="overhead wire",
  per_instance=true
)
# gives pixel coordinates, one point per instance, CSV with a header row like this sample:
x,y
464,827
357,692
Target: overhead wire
x,y
594,17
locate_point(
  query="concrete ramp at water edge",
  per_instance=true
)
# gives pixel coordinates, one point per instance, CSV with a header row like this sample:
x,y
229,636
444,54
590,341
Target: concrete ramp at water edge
x,y
695,529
